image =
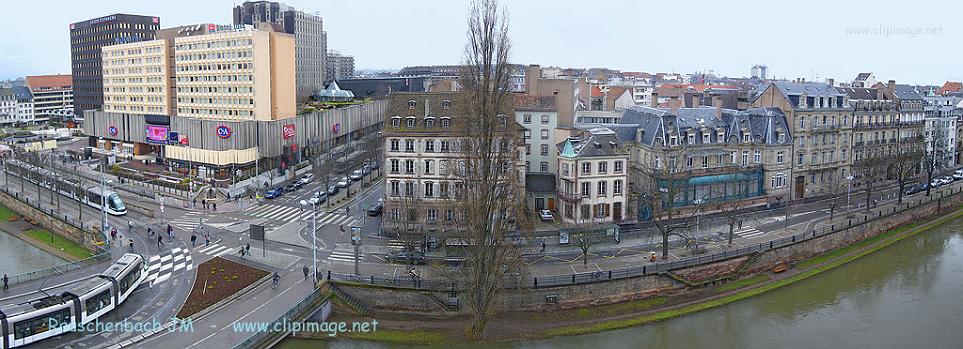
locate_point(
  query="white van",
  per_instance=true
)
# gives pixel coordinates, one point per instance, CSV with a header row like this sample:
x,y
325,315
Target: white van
x,y
958,175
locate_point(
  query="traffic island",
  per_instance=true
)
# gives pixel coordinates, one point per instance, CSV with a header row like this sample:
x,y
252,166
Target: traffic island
x,y
218,279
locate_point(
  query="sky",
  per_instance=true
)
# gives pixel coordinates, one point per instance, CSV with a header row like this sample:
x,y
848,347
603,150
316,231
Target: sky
x,y
908,42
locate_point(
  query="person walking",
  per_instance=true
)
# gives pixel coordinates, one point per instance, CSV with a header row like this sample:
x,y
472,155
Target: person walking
x,y
195,203
214,206
130,227
6,282
193,240
130,245
247,248
170,231
207,239
275,279
305,270
740,224
160,240
150,232
242,251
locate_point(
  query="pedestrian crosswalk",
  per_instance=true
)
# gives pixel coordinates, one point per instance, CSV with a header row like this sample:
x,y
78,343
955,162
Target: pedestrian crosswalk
x,y
214,250
291,214
162,266
395,244
188,222
339,255
749,232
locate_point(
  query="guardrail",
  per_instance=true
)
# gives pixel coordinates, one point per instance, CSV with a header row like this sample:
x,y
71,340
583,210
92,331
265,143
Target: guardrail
x,y
654,268
257,340
60,269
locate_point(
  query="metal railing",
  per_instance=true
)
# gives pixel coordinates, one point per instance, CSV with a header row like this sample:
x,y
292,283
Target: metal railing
x,y
257,339
60,269
653,268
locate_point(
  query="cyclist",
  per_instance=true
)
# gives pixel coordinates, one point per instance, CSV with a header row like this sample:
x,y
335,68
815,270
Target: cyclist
x,y
275,279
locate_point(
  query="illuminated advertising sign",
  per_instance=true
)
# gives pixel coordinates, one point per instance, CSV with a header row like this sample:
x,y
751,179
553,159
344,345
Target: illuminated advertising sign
x,y
287,131
112,130
223,131
157,134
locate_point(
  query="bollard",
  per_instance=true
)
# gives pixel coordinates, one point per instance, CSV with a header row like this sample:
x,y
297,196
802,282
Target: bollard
x,y
329,275
573,278
535,281
643,270
770,244
610,275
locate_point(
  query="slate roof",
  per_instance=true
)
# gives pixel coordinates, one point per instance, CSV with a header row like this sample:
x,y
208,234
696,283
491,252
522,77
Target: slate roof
x,y
862,76
20,93
906,92
861,93
811,89
594,142
763,123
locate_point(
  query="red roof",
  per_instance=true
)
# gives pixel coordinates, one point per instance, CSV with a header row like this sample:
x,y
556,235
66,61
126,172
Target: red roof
x,y
596,91
50,82
951,86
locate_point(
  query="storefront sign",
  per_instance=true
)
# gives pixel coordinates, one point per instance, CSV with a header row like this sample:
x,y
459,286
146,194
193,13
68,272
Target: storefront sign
x,y
157,134
287,131
336,128
112,130
184,141
223,131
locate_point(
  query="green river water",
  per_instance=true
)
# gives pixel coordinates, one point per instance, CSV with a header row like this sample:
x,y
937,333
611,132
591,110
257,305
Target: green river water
x,y
907,296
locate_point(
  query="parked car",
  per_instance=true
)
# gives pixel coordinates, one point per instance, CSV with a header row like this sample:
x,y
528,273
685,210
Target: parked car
x,y
274,193
333,189
546,215
343,182
292,187
308,178
936,183
375,209
374,165
914,188
318,197
366,169
356,175
405,256
958,175
948,180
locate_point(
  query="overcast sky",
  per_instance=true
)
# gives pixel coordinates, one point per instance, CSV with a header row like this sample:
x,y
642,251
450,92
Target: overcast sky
x,y
912,42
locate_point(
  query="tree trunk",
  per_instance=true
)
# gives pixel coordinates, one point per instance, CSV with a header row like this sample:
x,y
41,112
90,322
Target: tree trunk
x,y
730,233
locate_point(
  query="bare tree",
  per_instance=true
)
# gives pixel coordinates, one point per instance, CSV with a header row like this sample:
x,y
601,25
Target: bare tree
x,y
486,181
731,211
322,166
905,165
406,226
934,157
787,208
583,233
662,191
871,169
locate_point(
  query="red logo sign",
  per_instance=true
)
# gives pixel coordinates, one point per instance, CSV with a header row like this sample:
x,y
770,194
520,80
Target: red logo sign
x,y
112,130
287,131
156,20
184,141
210,27
223,131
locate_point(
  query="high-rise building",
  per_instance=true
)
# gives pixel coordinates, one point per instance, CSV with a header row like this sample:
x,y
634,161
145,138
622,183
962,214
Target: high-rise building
x,y
310,39
759,72
53,96
338,66
87,38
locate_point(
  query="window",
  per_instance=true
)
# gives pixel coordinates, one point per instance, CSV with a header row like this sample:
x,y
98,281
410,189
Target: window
x,y
705,138
429,122
673,140
395,122
691,138
586,168
446,104
429,145
603,186
757,157
528,134
409,166
544,134
429,189
544,149
746,137
779,157
445,146
395,168
445,122
528,166
410,145
409,189
617,187
603,167
745,158
528,149
565,171
449,215
543,166
782,137
586,189
544,119
802,122
429,166
585,211
394,145
705,161
527,119
431,214
410,122
412,104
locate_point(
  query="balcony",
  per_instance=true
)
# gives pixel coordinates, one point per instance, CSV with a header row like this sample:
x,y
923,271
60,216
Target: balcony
x,y
569,196
825,127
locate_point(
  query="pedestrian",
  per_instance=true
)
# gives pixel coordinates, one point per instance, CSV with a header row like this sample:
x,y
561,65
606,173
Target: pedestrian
x,y
305,270
740,224
130,227
247,248
207,239
170,231
193,240
130,244
195,202
543,245
242,252
6,282
113,233
150,232
214,205
160,240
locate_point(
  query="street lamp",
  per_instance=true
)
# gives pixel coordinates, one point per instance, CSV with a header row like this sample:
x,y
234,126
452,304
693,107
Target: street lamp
x,y
314,238
103,204
849,193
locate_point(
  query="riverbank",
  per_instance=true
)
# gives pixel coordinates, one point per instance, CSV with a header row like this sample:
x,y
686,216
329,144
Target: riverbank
x,y
13,224
410,329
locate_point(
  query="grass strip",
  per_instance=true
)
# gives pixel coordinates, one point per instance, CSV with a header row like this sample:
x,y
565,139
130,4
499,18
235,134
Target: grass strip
x,y
671,313
400,336
735,285
621,308
6,214
59,242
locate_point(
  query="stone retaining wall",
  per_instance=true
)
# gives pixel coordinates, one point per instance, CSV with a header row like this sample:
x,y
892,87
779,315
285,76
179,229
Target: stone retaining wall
x,y
621,290
54,224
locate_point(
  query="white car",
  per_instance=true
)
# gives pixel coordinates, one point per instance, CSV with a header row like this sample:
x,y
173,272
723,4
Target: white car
x,y
546,215
958,175
318,198
343,182
308,178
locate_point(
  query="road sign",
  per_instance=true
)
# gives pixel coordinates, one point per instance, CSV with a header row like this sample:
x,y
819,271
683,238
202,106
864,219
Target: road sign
x,y
356,235
257,232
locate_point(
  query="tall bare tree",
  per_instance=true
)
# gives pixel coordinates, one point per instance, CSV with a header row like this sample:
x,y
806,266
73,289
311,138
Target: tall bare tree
x,y
731,212
905,164
486,181
662,190
934,156
405,224
837,195
871,168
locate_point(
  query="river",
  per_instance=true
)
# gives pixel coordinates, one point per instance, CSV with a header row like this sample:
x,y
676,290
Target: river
x,y
908,295
17,256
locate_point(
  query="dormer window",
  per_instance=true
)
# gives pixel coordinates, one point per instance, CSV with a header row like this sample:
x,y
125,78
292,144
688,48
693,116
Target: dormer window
x,y
446,104
410,122
396,121
412,104
445,122
429,121
782,137
746,137
673,140
691,138
705,138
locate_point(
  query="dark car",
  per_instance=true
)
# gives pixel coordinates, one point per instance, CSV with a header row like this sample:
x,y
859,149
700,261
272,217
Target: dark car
x,y
375,210
333,189
291,187
405,256
915,188
274,193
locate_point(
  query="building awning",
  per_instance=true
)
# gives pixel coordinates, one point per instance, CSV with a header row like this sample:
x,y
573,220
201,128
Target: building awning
x,y
723,178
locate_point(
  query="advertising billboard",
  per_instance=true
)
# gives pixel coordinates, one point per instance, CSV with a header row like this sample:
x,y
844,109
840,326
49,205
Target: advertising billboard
x,y
157,134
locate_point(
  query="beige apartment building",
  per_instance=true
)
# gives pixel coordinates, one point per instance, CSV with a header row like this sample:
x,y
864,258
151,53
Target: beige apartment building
x,y
136,77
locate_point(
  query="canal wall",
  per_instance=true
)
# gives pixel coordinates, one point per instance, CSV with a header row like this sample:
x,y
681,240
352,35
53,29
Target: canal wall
x,y
846,232
59,226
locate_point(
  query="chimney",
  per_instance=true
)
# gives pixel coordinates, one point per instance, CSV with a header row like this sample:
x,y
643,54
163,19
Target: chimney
x,y
891,85
533,72
674,103
717,102
654,101
830,82
696,102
